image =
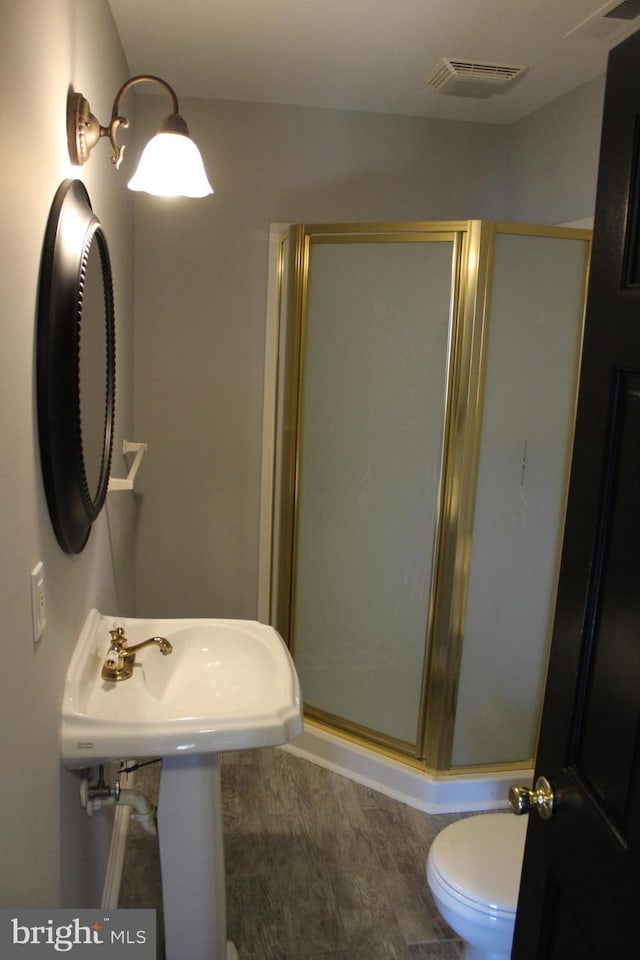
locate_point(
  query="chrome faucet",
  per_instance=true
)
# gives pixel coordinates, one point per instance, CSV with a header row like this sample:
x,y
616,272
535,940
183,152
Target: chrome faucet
x,y
120,658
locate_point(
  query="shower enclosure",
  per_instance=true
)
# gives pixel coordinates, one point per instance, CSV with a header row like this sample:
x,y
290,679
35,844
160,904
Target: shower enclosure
x,y
423,418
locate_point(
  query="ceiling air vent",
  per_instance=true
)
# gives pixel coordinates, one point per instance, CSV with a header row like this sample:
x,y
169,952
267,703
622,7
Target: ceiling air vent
x,y
472,78
610,22
627,10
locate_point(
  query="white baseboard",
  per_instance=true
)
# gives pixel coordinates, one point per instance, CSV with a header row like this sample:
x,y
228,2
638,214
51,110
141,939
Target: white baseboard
x,y
452,793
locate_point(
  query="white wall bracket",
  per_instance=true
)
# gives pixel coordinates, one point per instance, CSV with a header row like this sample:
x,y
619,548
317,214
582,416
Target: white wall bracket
x,y
126,483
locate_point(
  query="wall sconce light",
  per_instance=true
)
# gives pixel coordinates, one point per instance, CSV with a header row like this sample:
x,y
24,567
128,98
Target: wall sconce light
x,y
170,165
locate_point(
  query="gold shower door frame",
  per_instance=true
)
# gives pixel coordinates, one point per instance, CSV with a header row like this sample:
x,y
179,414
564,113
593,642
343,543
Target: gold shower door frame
x,y
445,617
474,243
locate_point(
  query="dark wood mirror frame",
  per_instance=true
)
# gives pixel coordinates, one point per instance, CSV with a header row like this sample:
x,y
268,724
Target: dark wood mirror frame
x,y
72,231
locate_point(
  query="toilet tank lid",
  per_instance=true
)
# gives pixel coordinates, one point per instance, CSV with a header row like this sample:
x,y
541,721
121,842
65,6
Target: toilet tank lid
x,y
481,857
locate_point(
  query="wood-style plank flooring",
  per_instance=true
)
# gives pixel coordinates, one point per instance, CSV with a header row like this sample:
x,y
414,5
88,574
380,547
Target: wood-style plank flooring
x,y
318,867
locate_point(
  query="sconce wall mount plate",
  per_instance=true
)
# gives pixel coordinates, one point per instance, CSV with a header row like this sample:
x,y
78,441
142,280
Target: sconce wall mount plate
x,y
83,130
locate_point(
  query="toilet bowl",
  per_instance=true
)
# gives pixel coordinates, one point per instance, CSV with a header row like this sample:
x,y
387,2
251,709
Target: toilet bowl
x,y
473,871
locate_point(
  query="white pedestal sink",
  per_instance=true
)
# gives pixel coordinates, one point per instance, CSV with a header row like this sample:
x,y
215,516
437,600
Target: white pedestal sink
x,y
228,685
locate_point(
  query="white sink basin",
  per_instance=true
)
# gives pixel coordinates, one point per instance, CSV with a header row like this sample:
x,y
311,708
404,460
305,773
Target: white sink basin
x,y
228,685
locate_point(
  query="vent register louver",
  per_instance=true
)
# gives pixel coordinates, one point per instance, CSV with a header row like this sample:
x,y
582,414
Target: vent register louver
x,y
627,10
473,78
608,23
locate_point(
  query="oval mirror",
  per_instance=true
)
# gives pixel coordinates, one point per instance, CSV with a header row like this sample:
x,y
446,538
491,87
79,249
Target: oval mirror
x,y
75,365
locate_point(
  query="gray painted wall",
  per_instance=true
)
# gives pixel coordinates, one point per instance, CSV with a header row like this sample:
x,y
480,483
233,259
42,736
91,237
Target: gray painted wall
x,y
51,853
552,159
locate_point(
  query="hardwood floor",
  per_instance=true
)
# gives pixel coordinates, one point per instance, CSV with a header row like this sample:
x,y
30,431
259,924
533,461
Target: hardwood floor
x,y
318,867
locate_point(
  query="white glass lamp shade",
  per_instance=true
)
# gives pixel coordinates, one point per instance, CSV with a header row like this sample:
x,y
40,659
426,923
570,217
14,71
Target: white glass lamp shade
x,y
171,166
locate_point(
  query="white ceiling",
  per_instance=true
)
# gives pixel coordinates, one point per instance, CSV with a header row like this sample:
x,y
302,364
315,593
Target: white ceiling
x,y
371,55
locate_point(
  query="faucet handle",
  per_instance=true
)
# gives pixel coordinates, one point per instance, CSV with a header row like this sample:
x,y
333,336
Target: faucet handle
x,y
112,657
118,638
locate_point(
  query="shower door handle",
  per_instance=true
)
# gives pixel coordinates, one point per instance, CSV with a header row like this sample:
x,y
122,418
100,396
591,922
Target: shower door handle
x,y
541,799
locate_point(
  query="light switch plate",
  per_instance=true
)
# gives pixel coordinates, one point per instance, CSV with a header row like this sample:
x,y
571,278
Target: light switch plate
x,y
38,606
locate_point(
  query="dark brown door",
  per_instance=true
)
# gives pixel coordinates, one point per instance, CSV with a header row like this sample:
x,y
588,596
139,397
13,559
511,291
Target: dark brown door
x,y
580,893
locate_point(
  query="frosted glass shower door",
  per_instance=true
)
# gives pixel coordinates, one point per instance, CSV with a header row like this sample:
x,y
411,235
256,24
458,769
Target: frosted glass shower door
x,y
375,362
532,358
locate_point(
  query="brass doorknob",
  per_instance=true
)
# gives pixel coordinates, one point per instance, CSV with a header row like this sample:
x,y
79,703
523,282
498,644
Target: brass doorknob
x,y
540,799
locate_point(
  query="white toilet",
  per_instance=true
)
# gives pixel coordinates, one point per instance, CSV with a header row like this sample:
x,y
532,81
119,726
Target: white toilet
x,y
473,870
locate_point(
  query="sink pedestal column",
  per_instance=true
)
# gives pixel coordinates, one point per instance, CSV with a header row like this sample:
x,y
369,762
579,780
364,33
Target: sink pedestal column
x,y
192,859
